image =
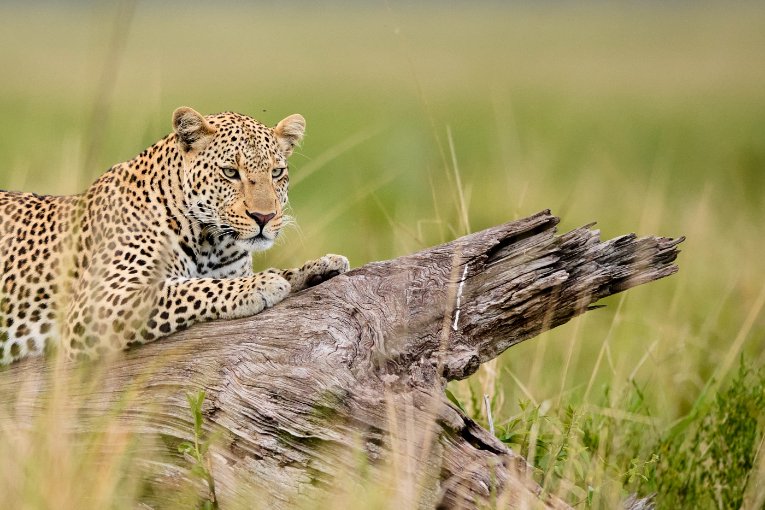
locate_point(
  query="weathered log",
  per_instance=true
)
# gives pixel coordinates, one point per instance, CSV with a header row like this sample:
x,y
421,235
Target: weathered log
x,y
359,364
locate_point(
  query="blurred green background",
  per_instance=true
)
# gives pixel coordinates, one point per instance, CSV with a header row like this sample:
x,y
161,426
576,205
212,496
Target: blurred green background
x,y
646,118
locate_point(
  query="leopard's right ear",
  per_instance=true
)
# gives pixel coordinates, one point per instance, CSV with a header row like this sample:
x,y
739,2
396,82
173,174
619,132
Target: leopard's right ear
x,y
193,130
289,132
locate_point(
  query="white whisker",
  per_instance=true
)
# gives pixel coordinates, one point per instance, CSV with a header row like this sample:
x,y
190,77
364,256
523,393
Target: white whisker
x,y
290,222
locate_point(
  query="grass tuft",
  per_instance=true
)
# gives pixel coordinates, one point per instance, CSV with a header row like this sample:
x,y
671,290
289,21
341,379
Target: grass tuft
x,y
600,455
708,462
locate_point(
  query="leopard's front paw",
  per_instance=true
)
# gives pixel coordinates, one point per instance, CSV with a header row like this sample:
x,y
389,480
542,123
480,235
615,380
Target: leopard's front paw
x,y
320,270
325,268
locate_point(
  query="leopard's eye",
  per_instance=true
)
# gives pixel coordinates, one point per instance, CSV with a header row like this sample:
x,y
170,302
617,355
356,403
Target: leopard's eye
x,y
277,172
230,173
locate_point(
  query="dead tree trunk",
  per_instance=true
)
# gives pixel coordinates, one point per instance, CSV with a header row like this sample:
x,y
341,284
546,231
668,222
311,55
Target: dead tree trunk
x,y
356,368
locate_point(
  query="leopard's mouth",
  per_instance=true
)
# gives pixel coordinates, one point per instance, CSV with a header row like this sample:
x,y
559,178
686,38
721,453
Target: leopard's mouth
x,y
255,243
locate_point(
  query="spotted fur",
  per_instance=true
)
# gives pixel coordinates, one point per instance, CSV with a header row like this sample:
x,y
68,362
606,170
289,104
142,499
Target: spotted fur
x,y
155,244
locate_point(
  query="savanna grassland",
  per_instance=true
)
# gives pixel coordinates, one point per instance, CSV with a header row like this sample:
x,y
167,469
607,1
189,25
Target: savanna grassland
x,y
428,122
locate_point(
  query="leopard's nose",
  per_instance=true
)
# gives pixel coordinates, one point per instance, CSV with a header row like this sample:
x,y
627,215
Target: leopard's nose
x,y
260,219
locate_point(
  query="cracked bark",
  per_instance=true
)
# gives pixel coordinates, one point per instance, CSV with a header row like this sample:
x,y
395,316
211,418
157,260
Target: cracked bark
x,y
356,368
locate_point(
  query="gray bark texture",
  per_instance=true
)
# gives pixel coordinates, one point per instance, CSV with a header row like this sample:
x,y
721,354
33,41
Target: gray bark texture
x,y
345,381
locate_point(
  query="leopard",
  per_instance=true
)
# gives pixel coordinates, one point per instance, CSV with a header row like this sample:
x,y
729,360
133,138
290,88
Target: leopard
x,y
155,244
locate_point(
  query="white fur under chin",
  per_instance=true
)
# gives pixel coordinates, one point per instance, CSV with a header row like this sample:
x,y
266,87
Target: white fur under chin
x,y
255,244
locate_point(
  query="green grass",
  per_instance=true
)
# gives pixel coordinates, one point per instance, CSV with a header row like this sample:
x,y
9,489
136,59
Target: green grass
x,y
596,454
644,118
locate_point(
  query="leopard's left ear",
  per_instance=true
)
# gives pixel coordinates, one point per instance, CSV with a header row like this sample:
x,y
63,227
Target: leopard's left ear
x,y
193,130
289,132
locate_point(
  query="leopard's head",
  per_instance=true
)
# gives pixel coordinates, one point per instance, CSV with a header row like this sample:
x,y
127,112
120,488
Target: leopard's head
x,y
235,175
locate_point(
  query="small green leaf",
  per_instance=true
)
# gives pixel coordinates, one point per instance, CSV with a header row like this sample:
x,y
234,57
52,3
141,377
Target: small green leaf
x,y
195,403
186,447
454,400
